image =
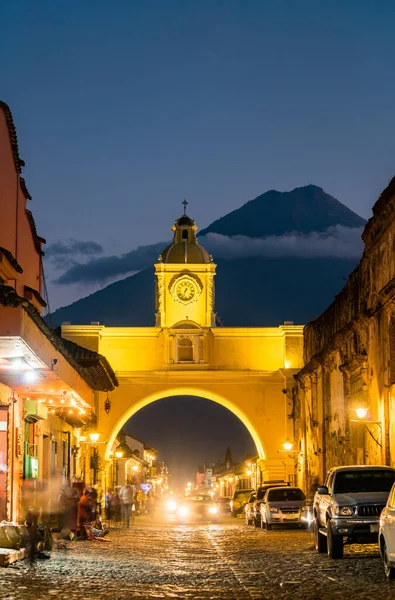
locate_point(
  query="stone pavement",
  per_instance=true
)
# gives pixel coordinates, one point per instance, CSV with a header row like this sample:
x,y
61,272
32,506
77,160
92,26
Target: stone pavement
x,y
229,560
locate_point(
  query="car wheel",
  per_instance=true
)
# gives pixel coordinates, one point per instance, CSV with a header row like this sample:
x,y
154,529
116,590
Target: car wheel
x,y
257,522
320,541
389,570
335,543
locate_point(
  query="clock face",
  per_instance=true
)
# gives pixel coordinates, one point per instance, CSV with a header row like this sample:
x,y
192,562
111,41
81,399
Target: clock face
x,y
185,290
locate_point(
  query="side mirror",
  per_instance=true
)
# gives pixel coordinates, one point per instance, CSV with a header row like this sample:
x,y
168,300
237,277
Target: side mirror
x,y
323,490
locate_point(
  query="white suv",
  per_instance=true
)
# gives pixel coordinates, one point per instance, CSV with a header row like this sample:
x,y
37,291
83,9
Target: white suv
x,y
387,535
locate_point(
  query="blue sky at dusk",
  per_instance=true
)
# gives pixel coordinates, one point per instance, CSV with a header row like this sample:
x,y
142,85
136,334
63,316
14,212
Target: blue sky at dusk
x,y
123,109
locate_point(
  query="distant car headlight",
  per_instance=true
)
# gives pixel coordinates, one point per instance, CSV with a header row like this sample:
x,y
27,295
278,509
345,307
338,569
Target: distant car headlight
x,y
183,511
213,510
343,511
171,505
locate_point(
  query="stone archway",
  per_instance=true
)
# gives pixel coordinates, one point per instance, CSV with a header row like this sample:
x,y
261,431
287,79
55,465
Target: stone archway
x,y
186,391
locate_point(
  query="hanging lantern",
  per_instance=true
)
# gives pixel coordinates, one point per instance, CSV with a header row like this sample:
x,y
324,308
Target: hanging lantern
x,y
107,404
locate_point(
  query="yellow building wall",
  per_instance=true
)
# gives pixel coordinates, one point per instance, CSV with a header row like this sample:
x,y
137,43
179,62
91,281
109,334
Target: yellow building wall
x,y
172,310
245,371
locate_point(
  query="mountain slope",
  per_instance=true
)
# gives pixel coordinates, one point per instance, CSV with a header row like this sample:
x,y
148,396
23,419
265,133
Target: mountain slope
x,y
253,290
304,209
251,293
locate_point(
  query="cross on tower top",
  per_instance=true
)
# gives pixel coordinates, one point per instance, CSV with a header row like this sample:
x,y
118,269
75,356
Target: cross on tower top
x,y
185,203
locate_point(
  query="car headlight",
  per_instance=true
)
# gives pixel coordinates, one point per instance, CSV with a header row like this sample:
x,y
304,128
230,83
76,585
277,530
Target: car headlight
x,y
273,509
307,514
343,511
171,505
183,511
213,510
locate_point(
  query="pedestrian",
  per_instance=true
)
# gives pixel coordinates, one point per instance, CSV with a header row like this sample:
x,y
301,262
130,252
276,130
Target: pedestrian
x,y
34,504
68,504
86,508
142,502
126,494
116,505
108,505
150,503
99,497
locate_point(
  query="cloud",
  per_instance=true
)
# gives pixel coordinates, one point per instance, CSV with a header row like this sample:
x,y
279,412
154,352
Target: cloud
x,y
66,255
72,247
107,267
336,242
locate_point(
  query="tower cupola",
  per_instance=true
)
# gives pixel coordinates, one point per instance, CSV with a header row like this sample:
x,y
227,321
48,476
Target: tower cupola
x,y
185,292
185,247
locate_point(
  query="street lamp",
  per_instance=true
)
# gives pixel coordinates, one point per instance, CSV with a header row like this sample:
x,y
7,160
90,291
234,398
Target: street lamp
x,y
94,437
287,445
361,414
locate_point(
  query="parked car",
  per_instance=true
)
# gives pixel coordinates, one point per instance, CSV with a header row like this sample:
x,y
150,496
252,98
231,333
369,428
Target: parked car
x,y
248,508
282,506
252,508
348,507
387,535
223,504
198,507
238,501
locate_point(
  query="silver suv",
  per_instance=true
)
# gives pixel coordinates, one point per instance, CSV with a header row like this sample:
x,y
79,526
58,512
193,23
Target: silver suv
x,y
348,506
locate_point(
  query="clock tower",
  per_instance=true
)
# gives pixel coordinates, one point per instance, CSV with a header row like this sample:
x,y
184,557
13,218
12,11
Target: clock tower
x,y
185,279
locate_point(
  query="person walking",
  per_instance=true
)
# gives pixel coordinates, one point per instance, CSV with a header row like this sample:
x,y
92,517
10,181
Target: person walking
x,y
142,502
108,505
126,494
68,504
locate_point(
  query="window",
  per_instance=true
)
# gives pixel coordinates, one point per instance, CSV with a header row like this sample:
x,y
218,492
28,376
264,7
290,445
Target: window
x,y
329,480
185,234
364,481
185,350
285,495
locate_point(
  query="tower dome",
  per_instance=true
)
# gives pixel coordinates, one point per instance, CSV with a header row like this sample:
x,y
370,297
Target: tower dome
x,y
185,247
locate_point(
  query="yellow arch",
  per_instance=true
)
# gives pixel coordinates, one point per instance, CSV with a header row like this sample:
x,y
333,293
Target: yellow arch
x,y
186,391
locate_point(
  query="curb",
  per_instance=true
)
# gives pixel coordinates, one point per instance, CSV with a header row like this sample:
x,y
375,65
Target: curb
x,y
9,556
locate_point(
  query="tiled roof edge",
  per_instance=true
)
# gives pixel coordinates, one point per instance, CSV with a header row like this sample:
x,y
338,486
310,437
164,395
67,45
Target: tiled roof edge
x,y
11,259
9,297
36,238
19,163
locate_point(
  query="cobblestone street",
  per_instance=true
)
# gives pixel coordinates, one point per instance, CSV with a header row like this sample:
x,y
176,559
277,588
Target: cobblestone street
x,y
226,560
